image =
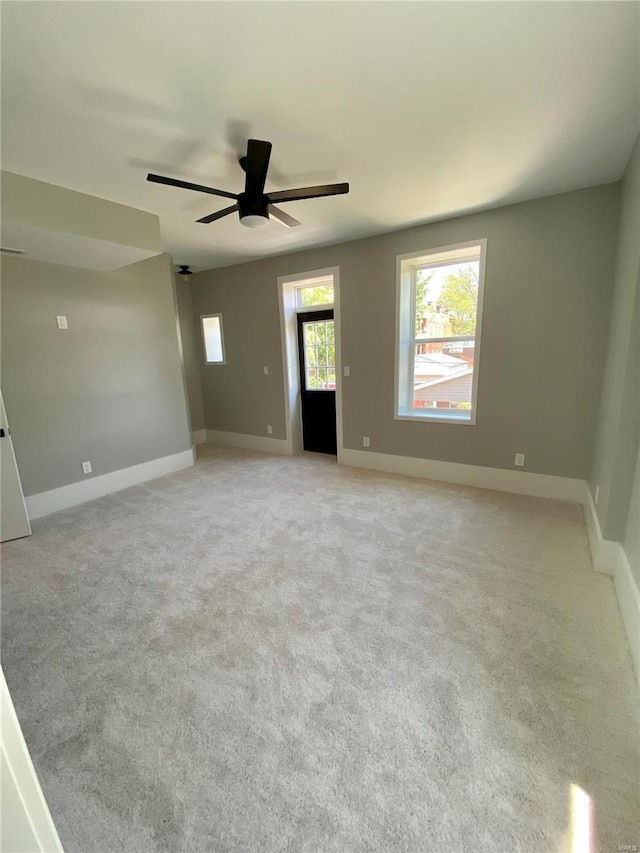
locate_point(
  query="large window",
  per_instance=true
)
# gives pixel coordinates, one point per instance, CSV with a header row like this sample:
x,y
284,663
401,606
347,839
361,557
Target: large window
x,y
213,341
439,318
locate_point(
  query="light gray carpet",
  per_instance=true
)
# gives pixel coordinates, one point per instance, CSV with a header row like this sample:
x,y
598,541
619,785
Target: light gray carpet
x,y
272,654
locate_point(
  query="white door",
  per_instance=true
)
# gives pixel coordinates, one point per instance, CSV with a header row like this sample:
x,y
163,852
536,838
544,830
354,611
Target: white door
x,y
14,521
25,822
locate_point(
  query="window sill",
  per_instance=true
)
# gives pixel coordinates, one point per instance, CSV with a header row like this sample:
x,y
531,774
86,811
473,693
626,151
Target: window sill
x,y
438,418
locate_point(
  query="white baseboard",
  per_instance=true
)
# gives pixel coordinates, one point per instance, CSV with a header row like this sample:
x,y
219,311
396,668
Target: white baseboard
x,y
199,436
499,479
629,603
610,558
604,552
97,487
249,442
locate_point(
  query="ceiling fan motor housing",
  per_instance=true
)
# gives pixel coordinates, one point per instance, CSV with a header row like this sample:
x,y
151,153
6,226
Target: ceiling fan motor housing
x,y
252,206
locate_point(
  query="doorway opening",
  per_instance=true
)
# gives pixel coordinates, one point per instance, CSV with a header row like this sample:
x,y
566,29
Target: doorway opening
x,y
317,355
310,331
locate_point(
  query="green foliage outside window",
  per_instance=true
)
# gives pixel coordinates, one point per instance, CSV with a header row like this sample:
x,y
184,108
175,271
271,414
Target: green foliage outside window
x,y
320,295
320,354
458,298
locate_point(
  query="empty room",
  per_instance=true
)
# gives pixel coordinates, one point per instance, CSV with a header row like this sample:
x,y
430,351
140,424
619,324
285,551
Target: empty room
x,y
320,439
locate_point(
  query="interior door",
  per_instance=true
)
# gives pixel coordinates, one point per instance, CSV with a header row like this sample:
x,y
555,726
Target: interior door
x,y
317,350
14,521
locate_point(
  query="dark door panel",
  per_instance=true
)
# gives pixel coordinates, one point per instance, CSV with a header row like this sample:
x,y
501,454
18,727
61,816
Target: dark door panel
x,y
319,421
316,348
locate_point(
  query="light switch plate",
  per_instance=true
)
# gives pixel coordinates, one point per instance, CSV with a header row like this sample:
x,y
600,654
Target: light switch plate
x,y
61,320
347,371
265,370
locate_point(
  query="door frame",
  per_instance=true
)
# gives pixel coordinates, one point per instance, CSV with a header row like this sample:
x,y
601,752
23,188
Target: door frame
x,y
20,506
26,820
287,285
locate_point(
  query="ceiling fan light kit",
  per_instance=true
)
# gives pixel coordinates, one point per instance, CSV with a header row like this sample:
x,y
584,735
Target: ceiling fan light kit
x,y
254,220
254,206
253,210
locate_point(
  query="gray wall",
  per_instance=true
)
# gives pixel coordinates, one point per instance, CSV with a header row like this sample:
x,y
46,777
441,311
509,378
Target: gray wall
x,y
109,389
191,351
619,422
237,396
547,297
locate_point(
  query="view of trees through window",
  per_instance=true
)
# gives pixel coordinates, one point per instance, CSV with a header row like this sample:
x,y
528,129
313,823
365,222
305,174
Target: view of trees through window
x,y
319,294
446,304
320,355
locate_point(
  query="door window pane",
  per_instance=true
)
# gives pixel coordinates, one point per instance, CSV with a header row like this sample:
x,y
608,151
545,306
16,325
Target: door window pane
x,y
320,355
310,334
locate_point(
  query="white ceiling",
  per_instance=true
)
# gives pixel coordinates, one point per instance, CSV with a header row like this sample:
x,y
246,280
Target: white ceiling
x,y
427,109
72,250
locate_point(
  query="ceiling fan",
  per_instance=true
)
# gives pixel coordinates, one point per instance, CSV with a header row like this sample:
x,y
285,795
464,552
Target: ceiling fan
x,y
254,205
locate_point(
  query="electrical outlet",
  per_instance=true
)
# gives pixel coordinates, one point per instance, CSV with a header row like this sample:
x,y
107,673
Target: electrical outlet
x,y
61,320
269,429
365,441
597,494
519,460
347,371
86,467
265,370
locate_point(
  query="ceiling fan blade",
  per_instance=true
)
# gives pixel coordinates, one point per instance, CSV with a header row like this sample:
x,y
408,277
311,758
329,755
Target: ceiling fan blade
x,y
186,185
218,214
309,192
283,217
256,165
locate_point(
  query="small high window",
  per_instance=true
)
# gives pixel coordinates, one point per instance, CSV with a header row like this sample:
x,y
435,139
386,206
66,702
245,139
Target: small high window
x,y
316,294
213,340
440,311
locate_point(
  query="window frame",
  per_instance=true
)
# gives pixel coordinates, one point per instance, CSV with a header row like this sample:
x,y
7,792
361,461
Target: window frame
x,y
204,317
406,337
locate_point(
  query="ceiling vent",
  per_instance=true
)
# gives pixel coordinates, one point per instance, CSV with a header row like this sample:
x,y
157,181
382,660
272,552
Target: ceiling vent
x,y
7,251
